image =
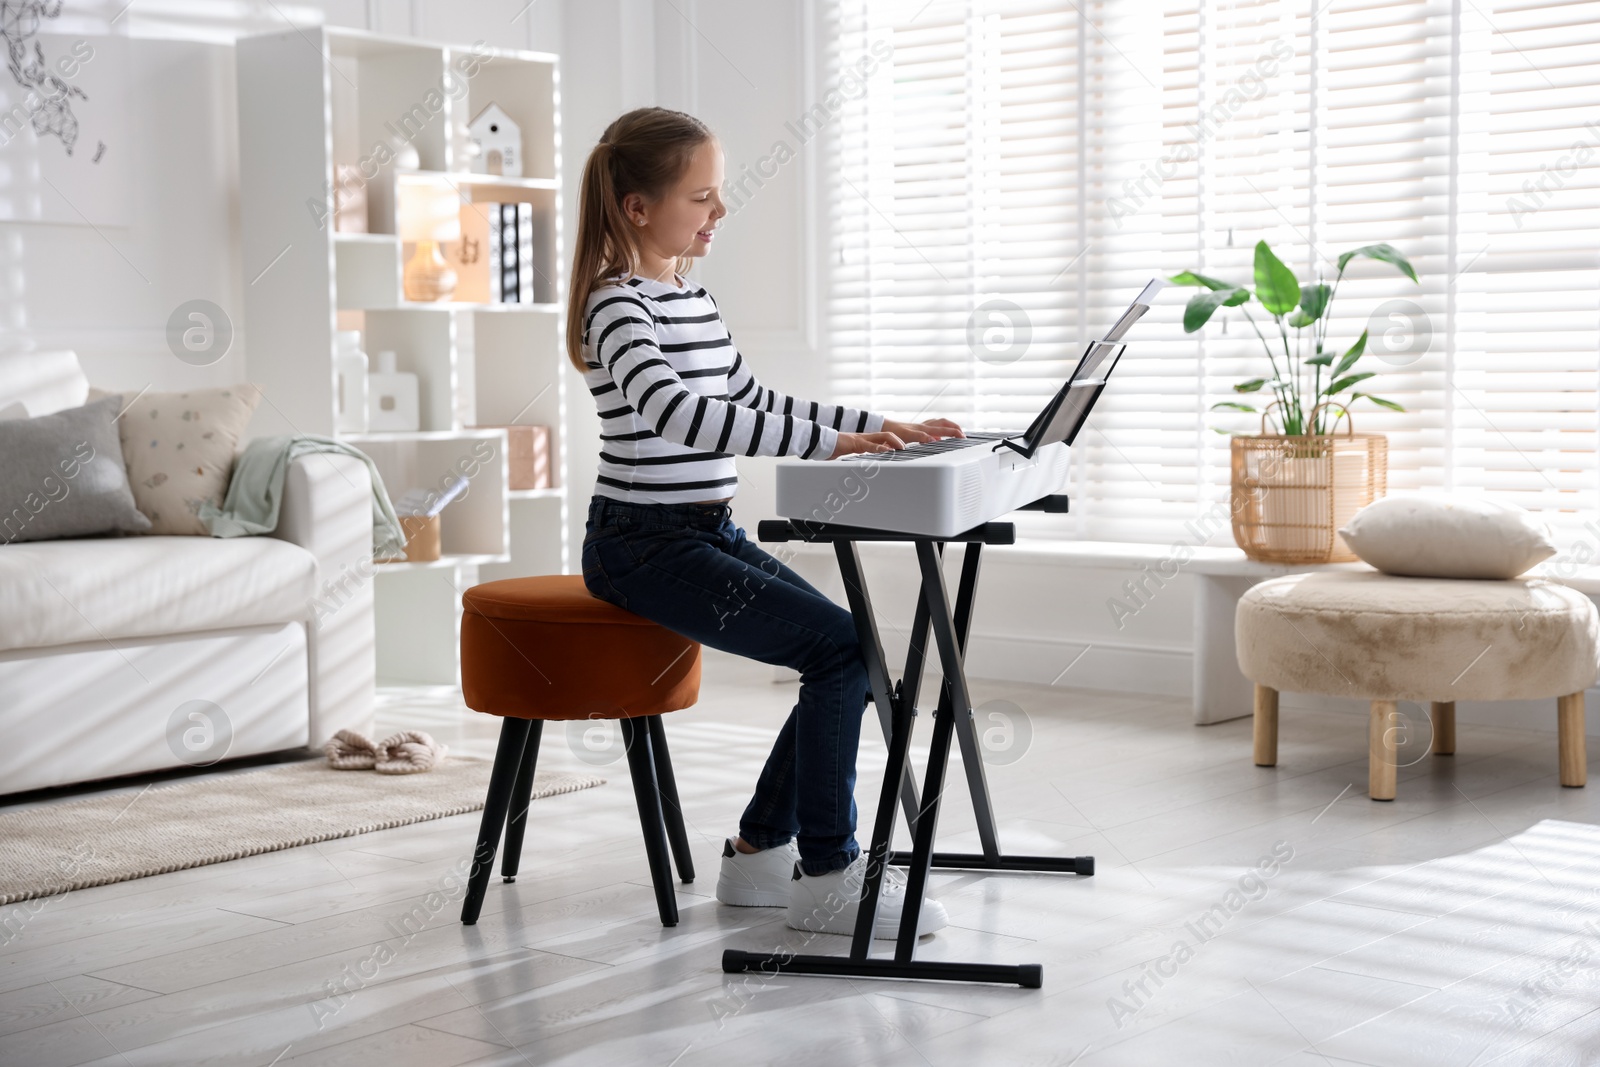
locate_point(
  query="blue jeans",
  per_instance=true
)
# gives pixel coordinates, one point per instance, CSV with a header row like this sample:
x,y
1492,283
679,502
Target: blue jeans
x,y
690,569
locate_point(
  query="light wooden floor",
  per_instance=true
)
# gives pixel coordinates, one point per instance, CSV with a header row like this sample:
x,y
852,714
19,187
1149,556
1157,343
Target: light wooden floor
x,y
1458,925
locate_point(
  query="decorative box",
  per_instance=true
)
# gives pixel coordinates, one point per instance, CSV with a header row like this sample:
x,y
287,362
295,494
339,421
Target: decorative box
x,y
528,454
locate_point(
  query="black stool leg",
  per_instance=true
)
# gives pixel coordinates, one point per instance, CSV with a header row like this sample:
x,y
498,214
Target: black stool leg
x,y
670,808
517,817
636,736
507,758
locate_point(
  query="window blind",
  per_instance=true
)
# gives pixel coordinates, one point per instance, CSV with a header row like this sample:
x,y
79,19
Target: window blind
x,y
1005,175
1523,423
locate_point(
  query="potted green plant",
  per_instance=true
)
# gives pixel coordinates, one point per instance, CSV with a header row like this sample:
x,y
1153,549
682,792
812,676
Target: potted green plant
x,y
1293,489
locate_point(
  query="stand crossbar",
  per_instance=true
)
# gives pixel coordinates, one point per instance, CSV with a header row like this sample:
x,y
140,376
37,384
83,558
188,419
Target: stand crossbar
x,y
952,717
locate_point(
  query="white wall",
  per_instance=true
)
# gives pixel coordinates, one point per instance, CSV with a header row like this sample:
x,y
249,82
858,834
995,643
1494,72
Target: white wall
x,y
108,291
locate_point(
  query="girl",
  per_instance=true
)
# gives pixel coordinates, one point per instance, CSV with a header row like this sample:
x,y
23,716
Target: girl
x,y
677,401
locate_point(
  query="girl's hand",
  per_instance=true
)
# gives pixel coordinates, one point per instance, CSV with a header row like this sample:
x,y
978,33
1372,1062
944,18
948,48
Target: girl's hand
x,y
923,431
849,444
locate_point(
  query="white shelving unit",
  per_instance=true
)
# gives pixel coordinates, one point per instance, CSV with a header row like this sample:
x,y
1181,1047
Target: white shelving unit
x,y
315,97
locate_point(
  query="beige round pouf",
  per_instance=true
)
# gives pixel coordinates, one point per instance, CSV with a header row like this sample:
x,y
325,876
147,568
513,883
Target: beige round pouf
x,y
1383,639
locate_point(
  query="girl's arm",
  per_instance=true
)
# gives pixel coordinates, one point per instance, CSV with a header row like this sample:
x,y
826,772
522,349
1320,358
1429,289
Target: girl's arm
x,y
625,341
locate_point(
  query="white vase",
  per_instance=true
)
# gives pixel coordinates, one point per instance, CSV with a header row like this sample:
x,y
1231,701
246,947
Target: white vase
x,y
350,399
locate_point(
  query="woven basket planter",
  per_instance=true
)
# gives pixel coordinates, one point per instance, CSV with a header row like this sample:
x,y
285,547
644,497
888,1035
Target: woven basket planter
x,y
1292,493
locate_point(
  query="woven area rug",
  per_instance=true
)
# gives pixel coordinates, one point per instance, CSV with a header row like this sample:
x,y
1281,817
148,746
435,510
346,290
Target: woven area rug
x,y
59,847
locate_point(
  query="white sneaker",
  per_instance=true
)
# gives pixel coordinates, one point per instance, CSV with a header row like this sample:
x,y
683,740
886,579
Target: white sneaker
x,y
756,879
815,902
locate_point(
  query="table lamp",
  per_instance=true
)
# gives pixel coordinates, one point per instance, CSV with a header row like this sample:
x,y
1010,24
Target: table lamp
x,y
428,215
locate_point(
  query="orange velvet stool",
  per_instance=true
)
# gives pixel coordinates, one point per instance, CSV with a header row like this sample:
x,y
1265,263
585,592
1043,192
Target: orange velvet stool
x,y
543,648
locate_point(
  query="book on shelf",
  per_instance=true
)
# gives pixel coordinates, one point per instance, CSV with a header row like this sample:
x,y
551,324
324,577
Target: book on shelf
x,y
470,256
524,253
495,256
505,255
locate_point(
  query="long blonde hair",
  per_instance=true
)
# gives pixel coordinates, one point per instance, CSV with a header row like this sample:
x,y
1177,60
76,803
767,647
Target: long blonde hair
x,y
647,151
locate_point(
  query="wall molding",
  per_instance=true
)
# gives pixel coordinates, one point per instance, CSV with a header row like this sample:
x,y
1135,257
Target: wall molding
x,y
1107,666
689,44
808,294
1167,672
116,341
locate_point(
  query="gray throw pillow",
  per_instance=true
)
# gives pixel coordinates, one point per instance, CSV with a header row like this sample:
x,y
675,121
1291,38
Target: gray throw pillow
x,y
63,475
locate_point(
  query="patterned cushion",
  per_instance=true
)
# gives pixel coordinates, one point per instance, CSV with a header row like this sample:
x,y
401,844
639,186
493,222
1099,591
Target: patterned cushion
x,y
179,449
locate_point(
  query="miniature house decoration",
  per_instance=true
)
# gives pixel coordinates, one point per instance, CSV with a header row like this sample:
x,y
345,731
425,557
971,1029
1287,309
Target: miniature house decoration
x,y
494,143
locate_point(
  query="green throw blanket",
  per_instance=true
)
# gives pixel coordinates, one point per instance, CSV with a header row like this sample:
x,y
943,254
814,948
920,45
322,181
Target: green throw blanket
x,y
255,491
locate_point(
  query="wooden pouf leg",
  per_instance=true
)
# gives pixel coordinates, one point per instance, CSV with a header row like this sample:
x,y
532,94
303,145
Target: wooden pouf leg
x,y
1381,751
647,795
1266,727
1574,759
517,816
507,758
1443,714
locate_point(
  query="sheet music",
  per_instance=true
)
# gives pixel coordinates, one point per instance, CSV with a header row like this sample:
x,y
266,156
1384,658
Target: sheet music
x,y
1136,310
1092,359
1080,393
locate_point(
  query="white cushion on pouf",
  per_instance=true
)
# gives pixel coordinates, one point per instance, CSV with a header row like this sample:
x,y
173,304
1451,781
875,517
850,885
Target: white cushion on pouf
x,y
1381,637
1432,536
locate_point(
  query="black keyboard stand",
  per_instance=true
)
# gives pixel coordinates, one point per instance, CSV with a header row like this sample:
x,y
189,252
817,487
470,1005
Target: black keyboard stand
x,y
896,708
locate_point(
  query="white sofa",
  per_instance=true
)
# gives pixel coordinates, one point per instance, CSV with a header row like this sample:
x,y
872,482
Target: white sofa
x,y
123,655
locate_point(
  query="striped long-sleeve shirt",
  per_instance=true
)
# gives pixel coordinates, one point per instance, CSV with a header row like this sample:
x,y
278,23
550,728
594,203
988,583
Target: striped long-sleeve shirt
x,y
677,401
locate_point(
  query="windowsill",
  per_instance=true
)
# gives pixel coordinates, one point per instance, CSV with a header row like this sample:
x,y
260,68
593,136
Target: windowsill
x,y
1203,559
1206,559
1583,579
1218,560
